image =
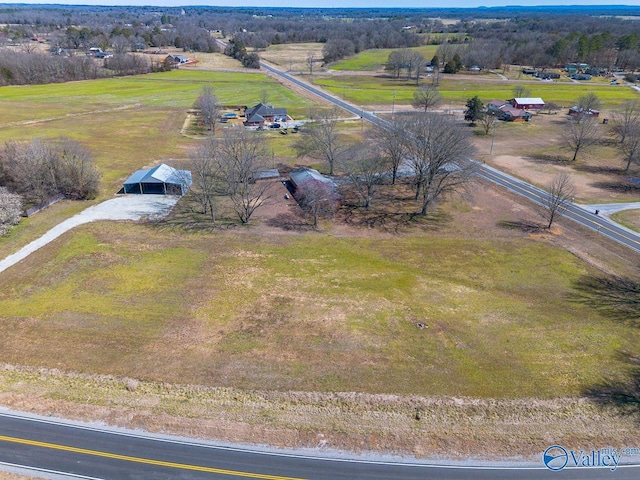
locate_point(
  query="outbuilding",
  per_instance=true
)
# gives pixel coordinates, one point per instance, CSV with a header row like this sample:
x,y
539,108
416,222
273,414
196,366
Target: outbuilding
x,y
528,103
160,180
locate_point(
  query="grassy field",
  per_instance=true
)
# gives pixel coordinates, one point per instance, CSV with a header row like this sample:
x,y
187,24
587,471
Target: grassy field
x,y
293,56
230,324
310,312
628,218
129,122
374,60
370,90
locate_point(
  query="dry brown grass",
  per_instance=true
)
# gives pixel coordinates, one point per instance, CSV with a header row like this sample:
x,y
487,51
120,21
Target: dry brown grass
x,y
426,427
293,56
534,152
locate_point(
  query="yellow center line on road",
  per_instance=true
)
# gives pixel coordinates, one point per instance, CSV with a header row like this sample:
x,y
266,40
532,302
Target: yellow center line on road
x,y
127,458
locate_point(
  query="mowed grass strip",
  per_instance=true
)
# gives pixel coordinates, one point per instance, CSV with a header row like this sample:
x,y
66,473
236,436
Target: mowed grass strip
x,y
310,312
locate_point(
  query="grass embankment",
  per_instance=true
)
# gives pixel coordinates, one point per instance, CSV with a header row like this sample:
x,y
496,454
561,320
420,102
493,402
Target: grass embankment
x,y
310,312
422,426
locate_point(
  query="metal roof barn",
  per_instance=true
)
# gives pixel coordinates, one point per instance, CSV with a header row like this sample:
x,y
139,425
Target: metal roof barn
x,y
160,180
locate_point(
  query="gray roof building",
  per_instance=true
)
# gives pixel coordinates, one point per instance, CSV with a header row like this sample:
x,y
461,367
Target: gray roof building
x,y
160,180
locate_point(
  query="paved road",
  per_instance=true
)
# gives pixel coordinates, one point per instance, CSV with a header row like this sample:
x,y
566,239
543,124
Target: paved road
x,y
577,213
609,208
50,449
584,215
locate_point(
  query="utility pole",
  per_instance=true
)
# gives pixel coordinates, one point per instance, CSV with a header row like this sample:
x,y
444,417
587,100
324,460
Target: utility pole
x,y
493,136
393,105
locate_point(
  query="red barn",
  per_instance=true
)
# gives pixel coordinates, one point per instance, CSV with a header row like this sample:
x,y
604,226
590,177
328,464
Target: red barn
x,y
527,103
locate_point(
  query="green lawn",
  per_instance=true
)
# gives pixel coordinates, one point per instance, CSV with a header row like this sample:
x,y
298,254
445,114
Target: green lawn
x,y
374,60
368,90
310,312
129,122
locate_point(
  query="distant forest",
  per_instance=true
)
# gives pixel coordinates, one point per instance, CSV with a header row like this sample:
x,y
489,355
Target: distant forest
x,y
543,37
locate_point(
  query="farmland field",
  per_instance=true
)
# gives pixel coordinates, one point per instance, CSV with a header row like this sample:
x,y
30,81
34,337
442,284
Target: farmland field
x,y
129,122
310,312
461,303
373,90
374,60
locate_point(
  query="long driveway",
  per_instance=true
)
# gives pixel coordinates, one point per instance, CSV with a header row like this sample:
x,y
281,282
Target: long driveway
x,y
126,207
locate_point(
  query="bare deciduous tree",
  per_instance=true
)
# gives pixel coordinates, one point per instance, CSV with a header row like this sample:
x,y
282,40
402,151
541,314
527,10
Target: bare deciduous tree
x,y
206,172
207,103
10,210
551,107
590,101
439,149
626,120
520,91
488,121
318,198
392,145
311,59
321,139
39,169
561,192
581,135
426,97
630,147
78,177
243,153
365,169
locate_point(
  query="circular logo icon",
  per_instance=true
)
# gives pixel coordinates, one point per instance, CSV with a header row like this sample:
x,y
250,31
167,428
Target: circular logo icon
x,y
555,457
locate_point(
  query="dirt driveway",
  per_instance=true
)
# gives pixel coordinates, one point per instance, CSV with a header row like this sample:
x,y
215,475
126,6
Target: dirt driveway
x,y
126,207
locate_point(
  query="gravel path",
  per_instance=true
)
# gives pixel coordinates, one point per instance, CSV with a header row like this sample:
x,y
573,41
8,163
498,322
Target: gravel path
x,y
127,207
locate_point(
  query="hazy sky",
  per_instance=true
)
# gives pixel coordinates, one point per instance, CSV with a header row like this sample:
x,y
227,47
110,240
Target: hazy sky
x,y
333,3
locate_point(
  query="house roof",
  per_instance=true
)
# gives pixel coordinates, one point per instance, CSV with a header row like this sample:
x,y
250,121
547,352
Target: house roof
x,y
529,101
497,103
260,111
515,112
302,174
163,173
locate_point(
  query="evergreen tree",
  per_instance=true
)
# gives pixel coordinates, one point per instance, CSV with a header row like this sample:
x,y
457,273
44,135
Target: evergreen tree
x,y
474,111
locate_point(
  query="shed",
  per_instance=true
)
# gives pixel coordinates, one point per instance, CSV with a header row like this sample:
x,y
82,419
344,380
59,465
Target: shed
x,y
577,111
160,180
527,103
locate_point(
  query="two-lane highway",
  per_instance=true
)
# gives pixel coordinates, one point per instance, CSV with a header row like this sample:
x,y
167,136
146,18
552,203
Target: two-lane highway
x,y
583,215
51,447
